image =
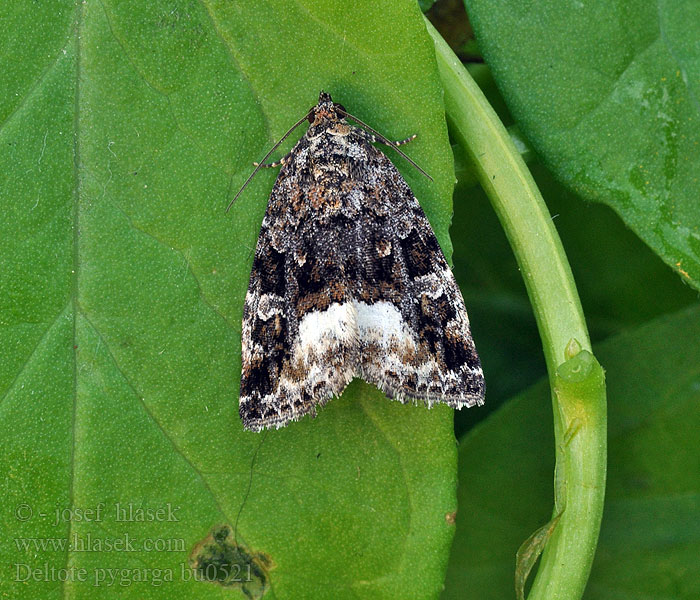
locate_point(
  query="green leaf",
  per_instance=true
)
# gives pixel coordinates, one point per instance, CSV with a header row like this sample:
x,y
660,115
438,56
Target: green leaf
x,y
125,129
608,95
650,540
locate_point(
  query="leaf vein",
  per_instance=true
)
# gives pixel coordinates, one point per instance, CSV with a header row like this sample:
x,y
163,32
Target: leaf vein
x,y
154,420
36,85
26,362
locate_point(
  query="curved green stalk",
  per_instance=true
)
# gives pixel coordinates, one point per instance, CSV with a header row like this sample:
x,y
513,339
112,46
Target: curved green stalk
x,y
578,390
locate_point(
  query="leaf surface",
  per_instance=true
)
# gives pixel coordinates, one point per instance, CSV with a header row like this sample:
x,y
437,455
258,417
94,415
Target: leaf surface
x,y
125,130
608,95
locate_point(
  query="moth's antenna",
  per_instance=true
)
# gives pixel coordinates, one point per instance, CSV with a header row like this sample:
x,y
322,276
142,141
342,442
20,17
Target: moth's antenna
x,y
257,167
250,483
384,140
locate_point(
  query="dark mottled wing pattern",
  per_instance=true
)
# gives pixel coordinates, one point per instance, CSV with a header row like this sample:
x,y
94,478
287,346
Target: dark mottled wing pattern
x,y
299,337
348,280
406,278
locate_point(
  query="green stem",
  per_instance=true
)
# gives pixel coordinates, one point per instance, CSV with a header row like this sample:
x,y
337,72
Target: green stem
x,y
579,419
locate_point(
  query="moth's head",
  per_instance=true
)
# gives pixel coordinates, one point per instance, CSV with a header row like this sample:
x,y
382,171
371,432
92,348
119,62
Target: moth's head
x,y
326,110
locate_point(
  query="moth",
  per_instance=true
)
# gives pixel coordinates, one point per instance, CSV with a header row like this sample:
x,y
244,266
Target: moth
x,y
348,280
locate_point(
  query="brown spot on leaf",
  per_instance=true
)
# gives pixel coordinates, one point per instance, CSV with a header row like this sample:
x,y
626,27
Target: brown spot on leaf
x,y
218,559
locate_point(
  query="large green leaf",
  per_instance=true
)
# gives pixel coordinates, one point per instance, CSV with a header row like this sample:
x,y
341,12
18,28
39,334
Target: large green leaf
x,y
123,126
650,538
608,94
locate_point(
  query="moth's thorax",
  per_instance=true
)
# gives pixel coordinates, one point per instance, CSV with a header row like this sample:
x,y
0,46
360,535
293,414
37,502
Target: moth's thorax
x,y
336,127
330,158
325,113
330,149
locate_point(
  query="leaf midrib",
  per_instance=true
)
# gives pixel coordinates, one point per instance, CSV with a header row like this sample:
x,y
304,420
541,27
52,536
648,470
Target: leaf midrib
x,y
75,270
